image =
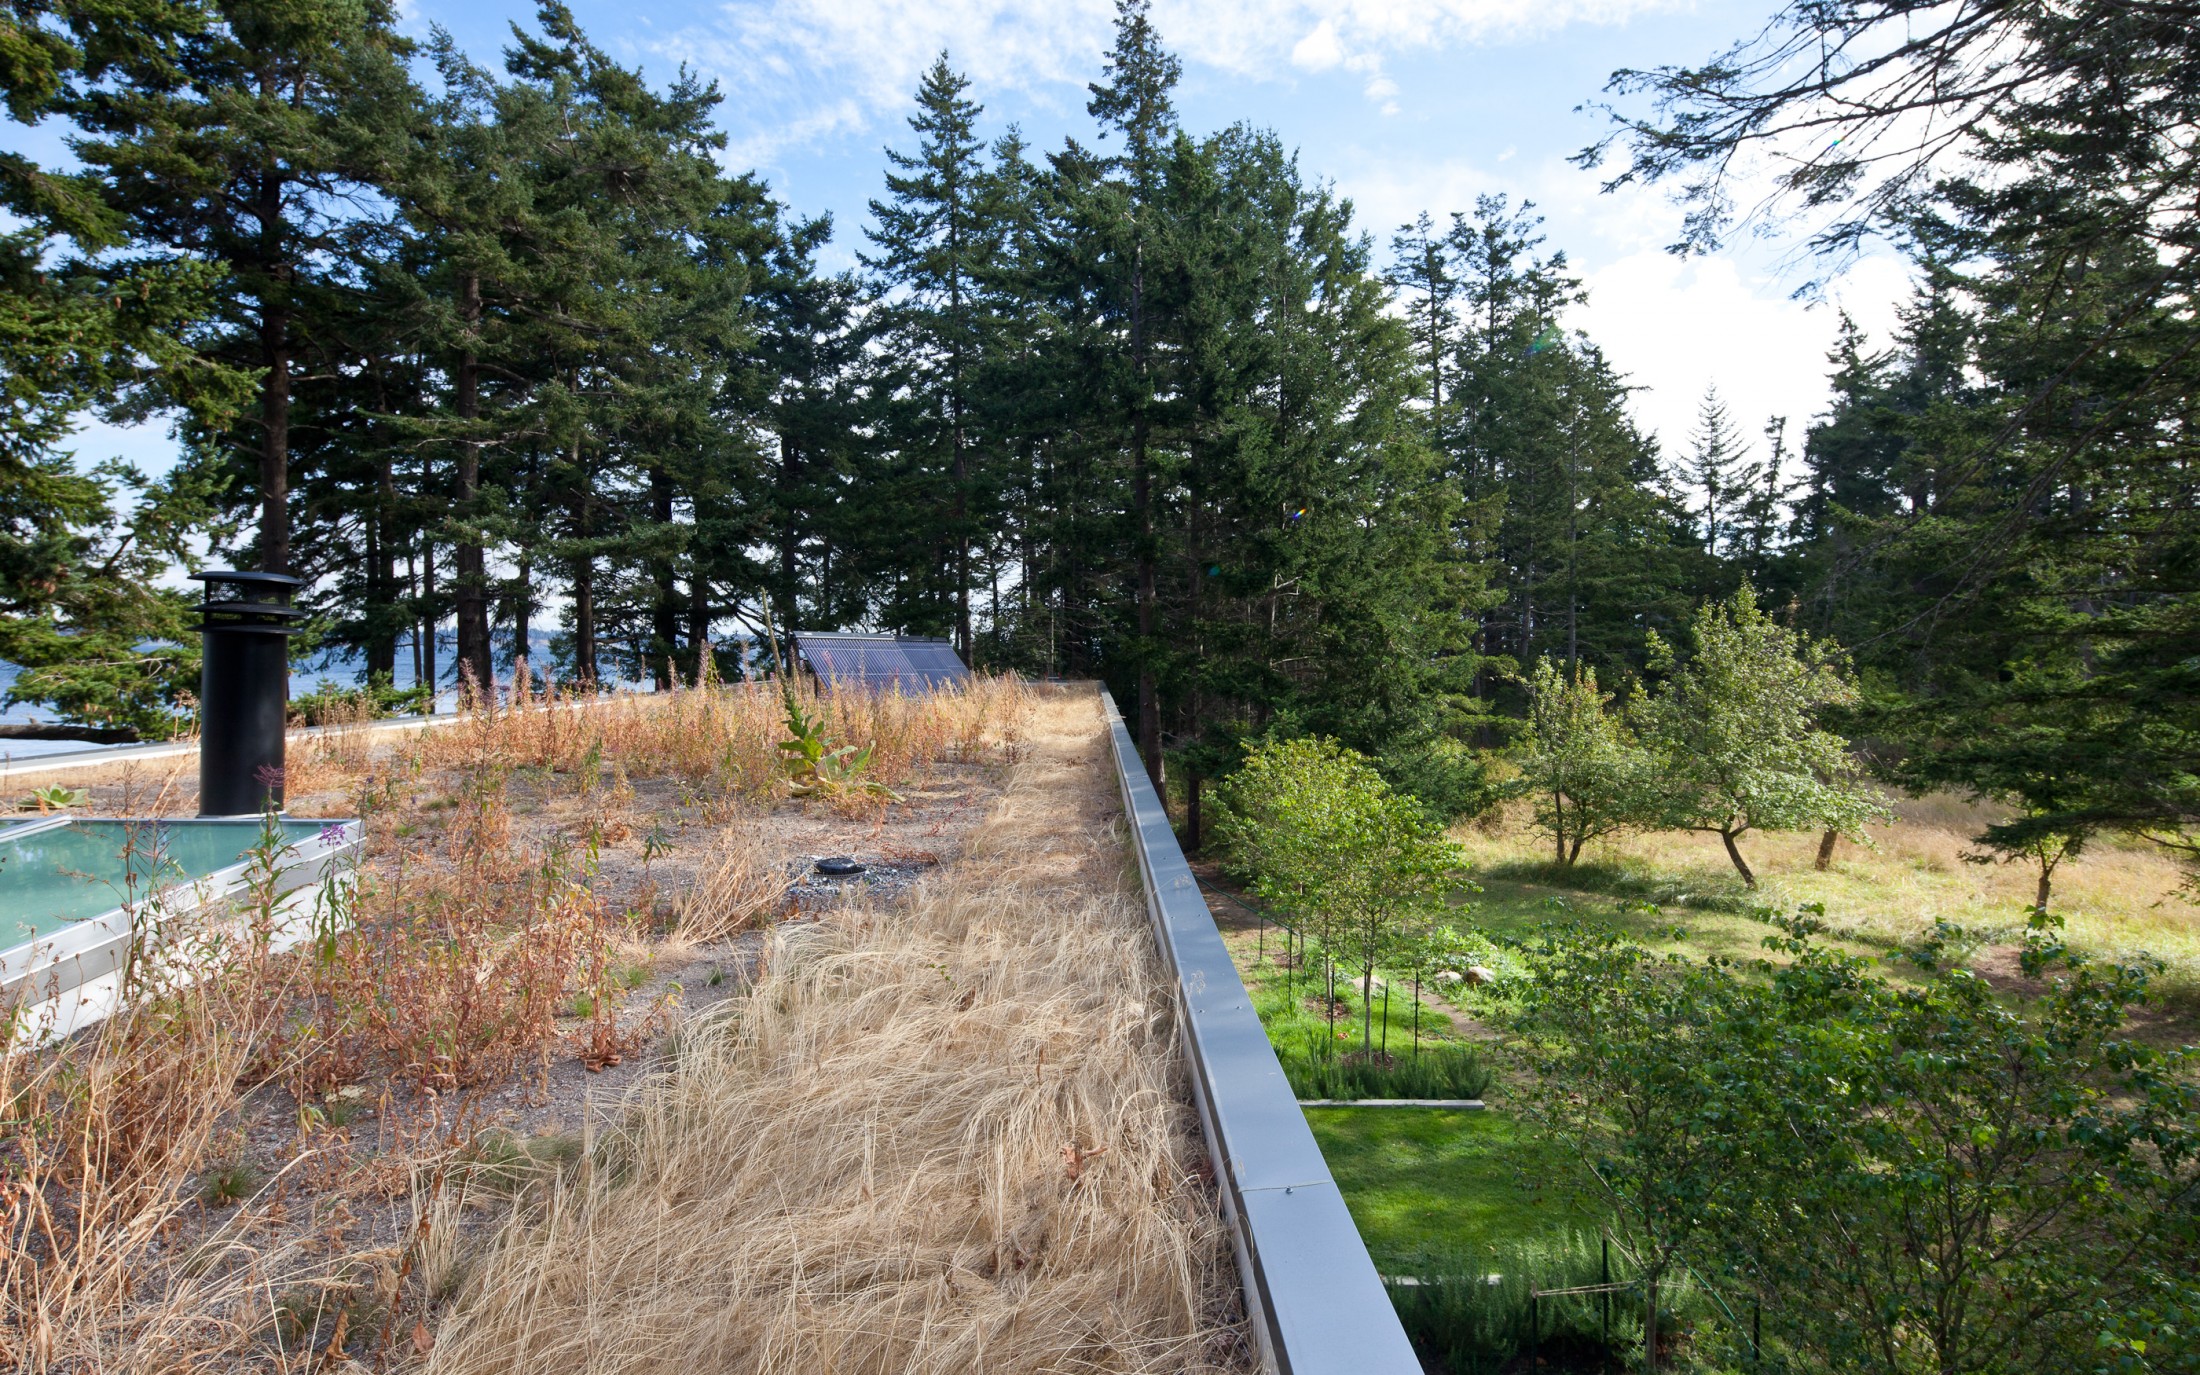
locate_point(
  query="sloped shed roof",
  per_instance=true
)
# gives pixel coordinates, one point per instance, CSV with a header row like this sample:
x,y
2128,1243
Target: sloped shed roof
x,y
909,663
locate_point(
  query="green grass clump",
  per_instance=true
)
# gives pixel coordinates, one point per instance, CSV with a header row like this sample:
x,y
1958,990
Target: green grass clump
x,y
507,1164
228,1182
1442,1070
1471,1310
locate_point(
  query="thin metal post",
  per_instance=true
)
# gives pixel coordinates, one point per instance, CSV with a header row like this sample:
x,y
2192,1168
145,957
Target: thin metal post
x,y
1604,1300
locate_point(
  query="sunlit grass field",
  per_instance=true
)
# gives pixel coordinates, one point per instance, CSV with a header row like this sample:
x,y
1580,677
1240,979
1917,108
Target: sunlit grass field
x,y
2118,900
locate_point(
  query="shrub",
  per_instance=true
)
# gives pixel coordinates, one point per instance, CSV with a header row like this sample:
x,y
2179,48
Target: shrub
x,y
1450,781
1579,762
333,704
1912,1176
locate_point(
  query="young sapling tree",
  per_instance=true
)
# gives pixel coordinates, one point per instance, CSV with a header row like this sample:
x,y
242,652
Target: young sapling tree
x,y
1579,762
1321,831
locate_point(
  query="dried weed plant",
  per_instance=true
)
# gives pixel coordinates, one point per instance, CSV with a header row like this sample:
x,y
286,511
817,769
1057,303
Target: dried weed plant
x,y
471,933
954,1138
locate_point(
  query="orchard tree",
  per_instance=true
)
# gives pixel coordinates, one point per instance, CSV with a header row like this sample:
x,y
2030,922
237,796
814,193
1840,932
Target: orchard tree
x,y
1735,737
1269,827
1579,761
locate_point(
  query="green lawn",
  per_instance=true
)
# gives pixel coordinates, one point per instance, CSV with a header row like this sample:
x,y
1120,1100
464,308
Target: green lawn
x,y
1417,1179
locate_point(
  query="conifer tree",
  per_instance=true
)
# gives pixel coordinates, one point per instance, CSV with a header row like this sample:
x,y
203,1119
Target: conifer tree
x,y
1716,471
1123,214
937,239
237,145
1421,273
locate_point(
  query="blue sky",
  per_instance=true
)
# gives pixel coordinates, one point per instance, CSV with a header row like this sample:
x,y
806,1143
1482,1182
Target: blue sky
x,y
1404,104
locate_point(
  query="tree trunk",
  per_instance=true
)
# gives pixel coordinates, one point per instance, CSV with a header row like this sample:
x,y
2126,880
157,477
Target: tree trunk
x,y
275,381
665,610
962,536
699,626
1749,880
523,614
2047,879
790,473
1650,1322
474,662
381,626
1367,1007
584,583
1149,688
428,617
584,620
275,441
1825,850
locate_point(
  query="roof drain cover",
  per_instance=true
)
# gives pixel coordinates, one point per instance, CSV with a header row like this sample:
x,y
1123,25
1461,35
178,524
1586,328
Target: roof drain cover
x,y
838,866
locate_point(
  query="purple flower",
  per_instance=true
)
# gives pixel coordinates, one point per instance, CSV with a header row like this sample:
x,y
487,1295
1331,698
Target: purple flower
x,y
332,835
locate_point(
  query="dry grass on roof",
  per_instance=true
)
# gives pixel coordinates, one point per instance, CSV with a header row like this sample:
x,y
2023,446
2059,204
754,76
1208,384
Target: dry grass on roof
x,y
950,1138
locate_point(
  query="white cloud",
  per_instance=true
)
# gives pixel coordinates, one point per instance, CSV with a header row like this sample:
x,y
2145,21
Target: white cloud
x,y
1674,327
1319,50
777,58
1671,326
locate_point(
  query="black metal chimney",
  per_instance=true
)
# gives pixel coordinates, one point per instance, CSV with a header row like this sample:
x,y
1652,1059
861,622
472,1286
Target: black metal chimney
x,y
244,690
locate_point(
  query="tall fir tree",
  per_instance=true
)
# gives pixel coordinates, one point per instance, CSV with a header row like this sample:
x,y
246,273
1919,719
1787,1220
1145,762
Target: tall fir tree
x,y
937,240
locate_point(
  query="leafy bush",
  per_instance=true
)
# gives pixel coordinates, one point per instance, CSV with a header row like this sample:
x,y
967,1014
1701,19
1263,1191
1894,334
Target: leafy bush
x,y
1911,1168
1450,781
333,704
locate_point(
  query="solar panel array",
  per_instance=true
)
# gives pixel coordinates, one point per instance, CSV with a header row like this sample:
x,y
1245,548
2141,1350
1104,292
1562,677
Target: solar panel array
x,y
883,663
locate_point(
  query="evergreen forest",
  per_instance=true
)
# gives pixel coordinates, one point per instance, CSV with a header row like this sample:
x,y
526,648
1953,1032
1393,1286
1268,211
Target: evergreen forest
x,y
481,342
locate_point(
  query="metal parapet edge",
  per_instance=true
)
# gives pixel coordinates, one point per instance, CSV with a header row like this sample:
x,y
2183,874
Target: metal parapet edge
x,y
1316,1303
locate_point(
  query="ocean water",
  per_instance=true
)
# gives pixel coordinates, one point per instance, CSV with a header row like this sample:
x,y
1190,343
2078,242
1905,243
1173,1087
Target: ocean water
x,y
343,669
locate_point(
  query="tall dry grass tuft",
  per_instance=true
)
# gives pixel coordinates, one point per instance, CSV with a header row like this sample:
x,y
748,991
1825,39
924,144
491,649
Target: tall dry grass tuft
x,y
738,887
101,1139
953,1138
479,916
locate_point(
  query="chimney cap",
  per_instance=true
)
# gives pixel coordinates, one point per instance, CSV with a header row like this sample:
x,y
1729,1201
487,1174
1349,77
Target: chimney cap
x,y
247,578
